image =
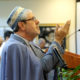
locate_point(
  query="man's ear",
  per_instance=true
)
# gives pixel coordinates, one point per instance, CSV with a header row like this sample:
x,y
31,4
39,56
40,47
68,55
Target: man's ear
x,y
21,25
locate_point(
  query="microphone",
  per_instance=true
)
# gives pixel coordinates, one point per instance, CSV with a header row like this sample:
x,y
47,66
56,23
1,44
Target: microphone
x,y
72,33
61,61
78,29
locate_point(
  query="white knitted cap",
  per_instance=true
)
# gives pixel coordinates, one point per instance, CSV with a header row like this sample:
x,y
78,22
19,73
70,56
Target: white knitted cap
x,y
15,16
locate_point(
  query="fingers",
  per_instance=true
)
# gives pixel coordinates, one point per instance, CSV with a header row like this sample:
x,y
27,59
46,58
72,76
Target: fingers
x,y
66,26
57,27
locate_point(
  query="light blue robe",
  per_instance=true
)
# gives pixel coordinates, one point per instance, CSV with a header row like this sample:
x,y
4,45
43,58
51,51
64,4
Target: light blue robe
x,y
24,61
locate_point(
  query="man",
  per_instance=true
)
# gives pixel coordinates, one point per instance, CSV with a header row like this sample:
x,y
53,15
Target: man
x,y
7,34
22,60
41,43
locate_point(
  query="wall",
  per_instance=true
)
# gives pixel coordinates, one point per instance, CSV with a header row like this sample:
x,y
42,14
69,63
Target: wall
x,y
47,11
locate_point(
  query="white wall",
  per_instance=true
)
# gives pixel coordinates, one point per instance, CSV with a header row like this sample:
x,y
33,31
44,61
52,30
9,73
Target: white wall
x,y
47,11
78,27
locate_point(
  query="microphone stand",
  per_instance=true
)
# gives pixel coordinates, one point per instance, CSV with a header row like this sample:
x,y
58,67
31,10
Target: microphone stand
x,y
61,73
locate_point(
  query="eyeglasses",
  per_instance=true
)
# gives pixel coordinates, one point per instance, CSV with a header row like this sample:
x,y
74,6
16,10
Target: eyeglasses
x,y
33,18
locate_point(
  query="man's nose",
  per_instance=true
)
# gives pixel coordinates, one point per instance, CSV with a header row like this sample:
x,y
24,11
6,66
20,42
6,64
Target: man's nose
x,y
37,21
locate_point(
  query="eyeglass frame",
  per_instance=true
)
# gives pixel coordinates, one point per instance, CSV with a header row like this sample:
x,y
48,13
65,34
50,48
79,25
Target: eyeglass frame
x,y
33,18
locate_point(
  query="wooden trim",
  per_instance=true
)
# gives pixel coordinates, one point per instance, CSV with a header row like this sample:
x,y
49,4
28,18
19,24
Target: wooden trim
x,y
54,24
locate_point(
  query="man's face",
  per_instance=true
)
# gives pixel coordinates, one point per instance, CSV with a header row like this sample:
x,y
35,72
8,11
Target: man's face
x,y
42,45
32,25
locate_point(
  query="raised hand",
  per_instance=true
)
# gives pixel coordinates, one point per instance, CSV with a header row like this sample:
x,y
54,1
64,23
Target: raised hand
x,y
61,32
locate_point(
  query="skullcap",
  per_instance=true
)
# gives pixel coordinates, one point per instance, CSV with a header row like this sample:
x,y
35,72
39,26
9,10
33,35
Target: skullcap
x,y
15,16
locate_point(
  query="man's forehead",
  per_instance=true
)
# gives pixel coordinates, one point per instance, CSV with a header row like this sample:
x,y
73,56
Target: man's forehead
x,y
30,15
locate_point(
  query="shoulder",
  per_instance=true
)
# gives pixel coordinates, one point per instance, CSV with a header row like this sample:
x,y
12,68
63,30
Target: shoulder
x,y
14,45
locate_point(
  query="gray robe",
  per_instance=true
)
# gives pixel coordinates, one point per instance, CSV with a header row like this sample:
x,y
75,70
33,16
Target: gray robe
x,y
24,61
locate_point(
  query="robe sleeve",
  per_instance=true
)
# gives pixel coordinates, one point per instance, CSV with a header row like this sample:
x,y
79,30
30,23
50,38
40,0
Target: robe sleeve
x,y
50,61
11,63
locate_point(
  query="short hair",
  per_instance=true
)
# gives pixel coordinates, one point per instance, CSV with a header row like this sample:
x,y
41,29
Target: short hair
x,y
17,14
7,33
41,40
